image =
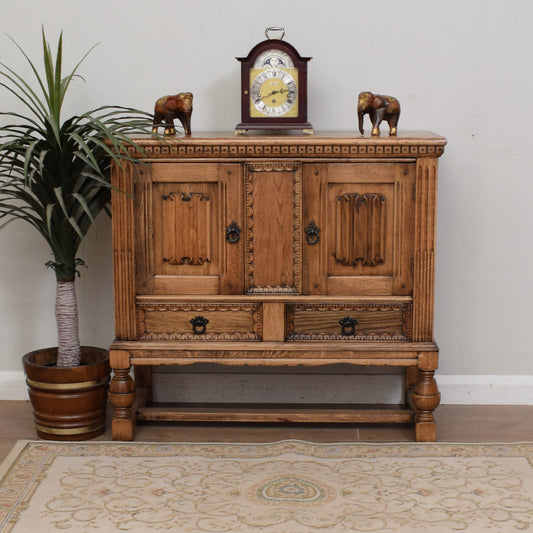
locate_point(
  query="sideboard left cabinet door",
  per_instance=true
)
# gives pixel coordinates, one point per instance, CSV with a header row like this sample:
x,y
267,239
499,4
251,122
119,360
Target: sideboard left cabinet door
x,y
188,224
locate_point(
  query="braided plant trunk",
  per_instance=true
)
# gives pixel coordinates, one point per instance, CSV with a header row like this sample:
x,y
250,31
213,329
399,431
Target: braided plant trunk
x,y
69,351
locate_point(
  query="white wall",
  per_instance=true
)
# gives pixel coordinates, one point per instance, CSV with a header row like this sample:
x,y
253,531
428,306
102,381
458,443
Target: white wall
x,y
461,68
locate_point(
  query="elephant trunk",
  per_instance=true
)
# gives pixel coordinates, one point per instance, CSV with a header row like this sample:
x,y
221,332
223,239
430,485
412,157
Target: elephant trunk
x,y
361,114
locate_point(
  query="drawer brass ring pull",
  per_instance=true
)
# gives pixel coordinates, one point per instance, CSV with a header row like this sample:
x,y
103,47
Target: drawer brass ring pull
x,y
233,233
312,233
199,324
348,325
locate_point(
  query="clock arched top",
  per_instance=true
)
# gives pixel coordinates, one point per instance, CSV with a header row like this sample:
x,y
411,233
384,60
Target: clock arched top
x,y
274,44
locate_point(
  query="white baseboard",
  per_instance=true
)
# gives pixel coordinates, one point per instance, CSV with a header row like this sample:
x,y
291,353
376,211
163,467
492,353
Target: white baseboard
x,y
486,390
13,386
455,389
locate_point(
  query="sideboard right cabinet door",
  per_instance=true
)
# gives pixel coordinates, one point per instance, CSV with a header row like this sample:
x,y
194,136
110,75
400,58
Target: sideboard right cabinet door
x,y
358,228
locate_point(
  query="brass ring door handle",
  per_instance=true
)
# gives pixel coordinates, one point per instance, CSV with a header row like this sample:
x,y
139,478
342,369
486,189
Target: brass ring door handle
x,y
312,233
233,232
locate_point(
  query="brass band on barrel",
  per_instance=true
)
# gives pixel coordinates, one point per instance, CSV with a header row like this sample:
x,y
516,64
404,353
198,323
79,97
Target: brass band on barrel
x,y
68,431
66,386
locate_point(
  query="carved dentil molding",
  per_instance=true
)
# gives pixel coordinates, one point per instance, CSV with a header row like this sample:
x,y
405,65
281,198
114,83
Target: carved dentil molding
x,y
192,150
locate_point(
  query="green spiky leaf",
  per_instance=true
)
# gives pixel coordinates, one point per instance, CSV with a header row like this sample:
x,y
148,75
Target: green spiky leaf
x,y
54,173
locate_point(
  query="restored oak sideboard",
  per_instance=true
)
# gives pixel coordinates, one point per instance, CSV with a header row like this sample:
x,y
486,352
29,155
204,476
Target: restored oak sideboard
x,y
279,251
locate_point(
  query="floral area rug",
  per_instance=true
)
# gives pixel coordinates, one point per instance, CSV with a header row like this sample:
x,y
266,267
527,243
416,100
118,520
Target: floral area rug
x,y
282,487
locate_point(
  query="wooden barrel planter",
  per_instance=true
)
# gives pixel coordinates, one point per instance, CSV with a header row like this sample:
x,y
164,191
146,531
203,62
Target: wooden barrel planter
x,y
68,403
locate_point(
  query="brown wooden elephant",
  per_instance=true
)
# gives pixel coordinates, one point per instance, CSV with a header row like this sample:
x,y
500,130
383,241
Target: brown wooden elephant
x,y
171,107
379,107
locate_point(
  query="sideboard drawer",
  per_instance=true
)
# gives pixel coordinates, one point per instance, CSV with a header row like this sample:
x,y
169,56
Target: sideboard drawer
x,y
376,322
183,321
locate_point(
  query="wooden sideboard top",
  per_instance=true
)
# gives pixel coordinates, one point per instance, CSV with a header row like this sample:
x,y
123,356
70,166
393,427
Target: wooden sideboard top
x,y
290,144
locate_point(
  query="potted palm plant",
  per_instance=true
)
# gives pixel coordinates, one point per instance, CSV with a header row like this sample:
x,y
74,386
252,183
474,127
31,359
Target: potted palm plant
x,y
54,174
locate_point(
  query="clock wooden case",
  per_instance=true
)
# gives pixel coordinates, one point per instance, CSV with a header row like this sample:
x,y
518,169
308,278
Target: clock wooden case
x,y
276,251
274,88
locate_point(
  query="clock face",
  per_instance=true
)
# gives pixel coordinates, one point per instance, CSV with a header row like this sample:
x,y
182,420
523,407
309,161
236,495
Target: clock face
x,y
273,92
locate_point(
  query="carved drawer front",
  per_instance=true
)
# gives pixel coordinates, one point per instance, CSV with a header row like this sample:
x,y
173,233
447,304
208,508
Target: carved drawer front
x,y
365,322
220,322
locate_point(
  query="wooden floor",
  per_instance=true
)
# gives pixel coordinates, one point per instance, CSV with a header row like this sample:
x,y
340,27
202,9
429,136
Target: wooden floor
x,y
456,423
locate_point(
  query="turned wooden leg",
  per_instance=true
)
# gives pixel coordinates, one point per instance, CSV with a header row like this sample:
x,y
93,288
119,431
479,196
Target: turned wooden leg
x,y
424,398
122,397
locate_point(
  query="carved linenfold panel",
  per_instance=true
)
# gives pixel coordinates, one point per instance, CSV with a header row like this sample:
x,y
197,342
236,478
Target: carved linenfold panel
x,y
360,225
223,322
187,228
273,233
371,322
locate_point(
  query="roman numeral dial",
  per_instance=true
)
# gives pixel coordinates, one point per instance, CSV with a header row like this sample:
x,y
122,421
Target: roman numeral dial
x,y
273,92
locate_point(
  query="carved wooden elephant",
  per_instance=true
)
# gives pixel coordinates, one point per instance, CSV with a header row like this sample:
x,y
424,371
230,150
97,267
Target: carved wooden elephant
x,y
168,108
379,107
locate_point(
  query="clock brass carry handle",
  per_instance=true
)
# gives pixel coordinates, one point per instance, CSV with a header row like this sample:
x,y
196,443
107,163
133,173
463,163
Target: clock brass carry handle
x,y
348,325
199,324
312,232
233,232
274,29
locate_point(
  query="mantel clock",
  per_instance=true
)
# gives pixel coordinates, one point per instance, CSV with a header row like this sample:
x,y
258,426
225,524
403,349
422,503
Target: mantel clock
x,y
274,87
